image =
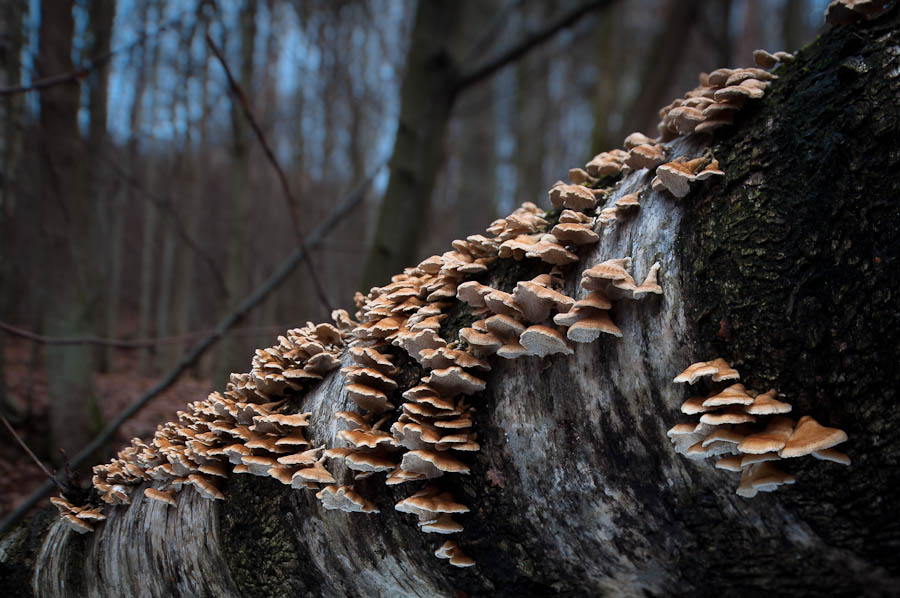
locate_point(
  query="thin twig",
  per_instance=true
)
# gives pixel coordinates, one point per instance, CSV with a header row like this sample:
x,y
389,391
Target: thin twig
x,y
484,71
32,455
293,204
127,344
316,237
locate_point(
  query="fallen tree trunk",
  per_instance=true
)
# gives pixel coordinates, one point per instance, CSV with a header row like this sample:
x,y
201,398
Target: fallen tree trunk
x,y
784,267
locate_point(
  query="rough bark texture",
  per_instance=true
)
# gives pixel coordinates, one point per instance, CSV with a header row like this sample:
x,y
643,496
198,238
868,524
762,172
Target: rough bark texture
x,y
585,496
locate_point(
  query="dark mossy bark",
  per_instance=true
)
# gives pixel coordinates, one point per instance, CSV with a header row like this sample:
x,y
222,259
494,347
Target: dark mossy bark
x,y
792,267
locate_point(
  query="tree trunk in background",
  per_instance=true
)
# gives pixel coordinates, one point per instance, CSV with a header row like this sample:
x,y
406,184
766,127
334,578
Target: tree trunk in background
x,y
477,142
426,102
229,355
660,67
149,249
127,197
785,268
185,318
67,213
101,14
532,108
12,39
794,27
605,58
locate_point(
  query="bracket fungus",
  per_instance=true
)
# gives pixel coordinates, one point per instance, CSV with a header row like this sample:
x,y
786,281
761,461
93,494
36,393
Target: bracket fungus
x,y
748,430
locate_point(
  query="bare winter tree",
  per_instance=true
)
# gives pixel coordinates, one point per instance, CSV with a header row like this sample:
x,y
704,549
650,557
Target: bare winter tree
x,y
784,267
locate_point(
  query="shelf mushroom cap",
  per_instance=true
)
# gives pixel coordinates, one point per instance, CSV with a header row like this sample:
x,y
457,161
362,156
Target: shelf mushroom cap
x,y
809,436
587,330
772,438
344,498
432,464
695,371
543,340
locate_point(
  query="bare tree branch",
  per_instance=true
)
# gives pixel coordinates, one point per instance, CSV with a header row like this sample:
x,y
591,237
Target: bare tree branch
x,y
484,71
128,344
347,204
293,204
32,455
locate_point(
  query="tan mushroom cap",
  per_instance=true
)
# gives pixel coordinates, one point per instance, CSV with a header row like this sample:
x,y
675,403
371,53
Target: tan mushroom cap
x,y
307,457
587,330
766,477
680,430
214,468
752,458
767,404
368,377
444,524
832,455
695,371
676,177
575,233
729,463
453,381
729,415
500,302
205,487
550,251
693,406
360,461
630,200
504,327
809,436
445,357
650,284
543,341
735,394
398,476
428,501
722,434
512,350
772,438
764,59
647,155
574,197
473,293
79,525
482,343
344,498
431,464
635,139
573,217
316,473
371,357
726,372
365,438
536,301
368,398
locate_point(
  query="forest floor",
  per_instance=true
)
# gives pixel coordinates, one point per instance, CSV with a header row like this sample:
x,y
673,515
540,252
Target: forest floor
x,y
27,385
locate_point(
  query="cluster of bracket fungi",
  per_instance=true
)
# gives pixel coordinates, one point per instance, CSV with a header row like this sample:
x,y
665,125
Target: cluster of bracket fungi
x,y
748,431
425,430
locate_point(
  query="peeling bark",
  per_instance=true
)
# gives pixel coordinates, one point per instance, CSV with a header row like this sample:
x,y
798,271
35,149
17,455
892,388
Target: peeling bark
x,y
576,488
